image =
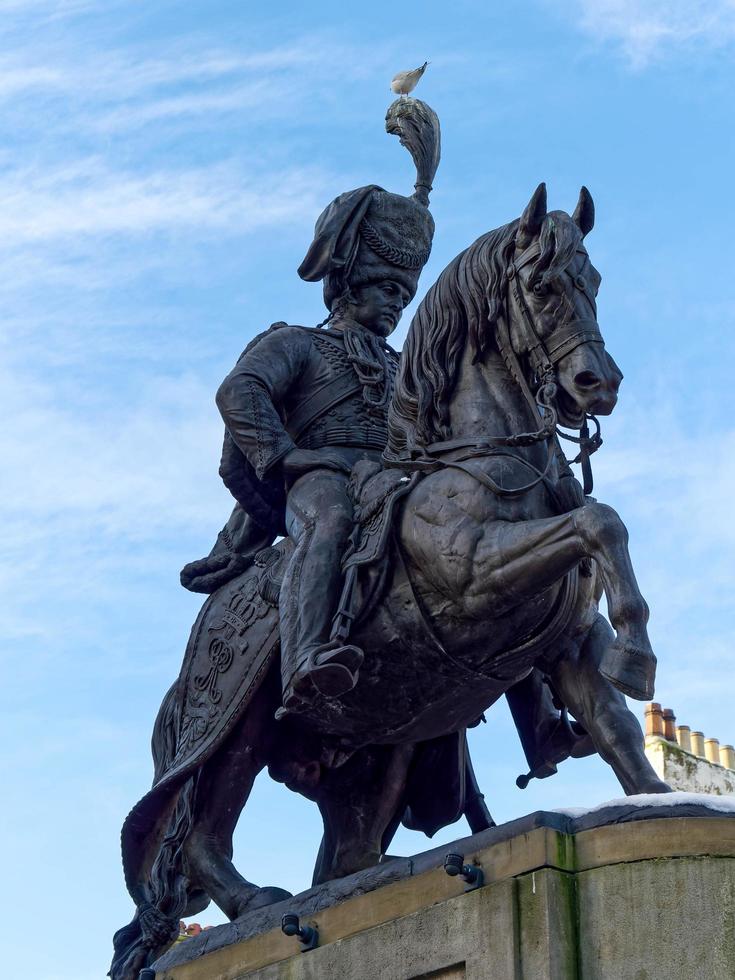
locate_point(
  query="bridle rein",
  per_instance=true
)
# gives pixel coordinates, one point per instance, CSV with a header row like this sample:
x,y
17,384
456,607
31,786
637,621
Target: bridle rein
x,y
542,360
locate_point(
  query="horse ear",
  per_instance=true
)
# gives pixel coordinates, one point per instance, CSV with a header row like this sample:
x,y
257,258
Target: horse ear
x,y
584,213
532,218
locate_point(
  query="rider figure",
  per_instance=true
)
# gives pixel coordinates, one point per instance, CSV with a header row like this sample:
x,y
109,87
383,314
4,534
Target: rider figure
x,y
303,405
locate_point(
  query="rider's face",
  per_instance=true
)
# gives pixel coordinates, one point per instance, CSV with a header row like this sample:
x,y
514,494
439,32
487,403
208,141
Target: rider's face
x,y
379,305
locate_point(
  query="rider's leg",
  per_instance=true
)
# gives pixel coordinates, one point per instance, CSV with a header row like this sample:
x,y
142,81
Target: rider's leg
x,y
319,520
514,561
545,738
603,711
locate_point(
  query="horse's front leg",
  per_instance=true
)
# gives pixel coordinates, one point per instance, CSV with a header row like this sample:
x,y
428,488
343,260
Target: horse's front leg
x,y
517,560
223,788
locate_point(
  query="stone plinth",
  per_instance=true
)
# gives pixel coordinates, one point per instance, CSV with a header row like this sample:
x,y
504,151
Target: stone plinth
x,y
639,889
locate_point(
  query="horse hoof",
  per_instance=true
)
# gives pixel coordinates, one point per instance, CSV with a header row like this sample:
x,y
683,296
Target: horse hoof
x,y
659,786
630,670
262,897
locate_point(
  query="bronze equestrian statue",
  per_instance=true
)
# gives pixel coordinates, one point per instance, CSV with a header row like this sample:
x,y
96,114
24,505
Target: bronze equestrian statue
x,y
473,567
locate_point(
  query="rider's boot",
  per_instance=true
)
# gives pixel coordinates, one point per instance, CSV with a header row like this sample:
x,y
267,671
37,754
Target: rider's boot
x,y
311,663
332,668
547,734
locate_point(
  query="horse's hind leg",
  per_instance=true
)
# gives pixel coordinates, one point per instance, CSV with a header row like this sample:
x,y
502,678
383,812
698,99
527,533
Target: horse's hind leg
x,y
223,787
603,712
358,802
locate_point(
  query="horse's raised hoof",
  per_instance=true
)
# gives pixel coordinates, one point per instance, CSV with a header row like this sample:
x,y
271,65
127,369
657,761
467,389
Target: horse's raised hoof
x,y
260,897
630,669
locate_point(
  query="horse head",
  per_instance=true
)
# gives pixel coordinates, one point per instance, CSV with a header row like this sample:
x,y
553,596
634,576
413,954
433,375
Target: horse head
x,y
551,309
526,291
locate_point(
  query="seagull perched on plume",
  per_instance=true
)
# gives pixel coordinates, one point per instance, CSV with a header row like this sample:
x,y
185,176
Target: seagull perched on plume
x,y
406,81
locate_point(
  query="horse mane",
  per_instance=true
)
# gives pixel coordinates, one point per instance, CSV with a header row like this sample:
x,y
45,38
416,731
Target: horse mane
x,y
463,306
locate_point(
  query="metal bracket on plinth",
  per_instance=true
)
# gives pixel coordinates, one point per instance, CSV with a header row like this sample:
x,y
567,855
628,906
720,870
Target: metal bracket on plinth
x,y
471,874
308,935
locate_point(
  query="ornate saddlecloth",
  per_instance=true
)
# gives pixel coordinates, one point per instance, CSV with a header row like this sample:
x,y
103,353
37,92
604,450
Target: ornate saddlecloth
x,y
232,644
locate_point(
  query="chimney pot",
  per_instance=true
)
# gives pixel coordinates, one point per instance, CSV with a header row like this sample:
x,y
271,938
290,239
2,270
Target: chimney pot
x,y
697,739
654,719
669,725
712,750
683,737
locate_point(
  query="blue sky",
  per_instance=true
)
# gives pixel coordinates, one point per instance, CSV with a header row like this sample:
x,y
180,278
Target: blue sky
x,y
161,167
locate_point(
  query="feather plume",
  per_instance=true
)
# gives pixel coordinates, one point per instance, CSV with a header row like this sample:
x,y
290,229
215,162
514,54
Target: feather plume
x,y
417,127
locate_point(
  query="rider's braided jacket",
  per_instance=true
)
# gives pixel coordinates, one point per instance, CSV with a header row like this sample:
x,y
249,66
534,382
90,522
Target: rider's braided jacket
x,y
309,388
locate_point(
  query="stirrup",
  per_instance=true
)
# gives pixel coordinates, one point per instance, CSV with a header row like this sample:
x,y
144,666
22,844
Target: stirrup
x,y
335,668
331,669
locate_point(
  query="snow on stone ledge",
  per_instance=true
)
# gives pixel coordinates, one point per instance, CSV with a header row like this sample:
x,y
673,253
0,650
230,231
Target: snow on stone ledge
x,y
722,804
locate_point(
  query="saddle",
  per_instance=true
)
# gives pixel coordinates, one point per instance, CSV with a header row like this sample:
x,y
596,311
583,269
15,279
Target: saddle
x,y
375,494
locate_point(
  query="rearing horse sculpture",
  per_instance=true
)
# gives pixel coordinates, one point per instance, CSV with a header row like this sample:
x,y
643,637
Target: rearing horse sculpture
x,y
497,565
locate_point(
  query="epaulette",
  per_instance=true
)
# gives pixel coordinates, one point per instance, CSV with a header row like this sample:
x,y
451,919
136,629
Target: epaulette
x,y
264,333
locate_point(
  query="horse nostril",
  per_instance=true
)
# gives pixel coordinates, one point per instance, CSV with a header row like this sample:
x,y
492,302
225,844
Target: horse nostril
x,y
587,379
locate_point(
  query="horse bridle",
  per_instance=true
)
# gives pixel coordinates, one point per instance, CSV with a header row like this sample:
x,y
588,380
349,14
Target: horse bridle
x,y
542,361
567,337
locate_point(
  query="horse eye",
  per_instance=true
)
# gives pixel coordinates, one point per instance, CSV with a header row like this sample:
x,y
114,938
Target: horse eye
x,y
539,288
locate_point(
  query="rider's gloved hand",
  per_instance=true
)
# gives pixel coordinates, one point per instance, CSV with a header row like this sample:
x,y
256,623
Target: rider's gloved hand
x,y
300,461
208,574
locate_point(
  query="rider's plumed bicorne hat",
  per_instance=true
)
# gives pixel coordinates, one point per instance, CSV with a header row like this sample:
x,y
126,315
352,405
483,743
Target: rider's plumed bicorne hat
x,y
370,234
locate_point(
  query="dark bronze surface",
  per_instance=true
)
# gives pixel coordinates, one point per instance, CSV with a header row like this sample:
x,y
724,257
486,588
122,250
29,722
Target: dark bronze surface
x,y
438,554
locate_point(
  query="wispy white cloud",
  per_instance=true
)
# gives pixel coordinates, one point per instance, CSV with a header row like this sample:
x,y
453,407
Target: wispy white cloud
x,y
84,180
17,79
234,99
86,197
646,30
51,8
129,87
129,79
102,464
95,493
85,227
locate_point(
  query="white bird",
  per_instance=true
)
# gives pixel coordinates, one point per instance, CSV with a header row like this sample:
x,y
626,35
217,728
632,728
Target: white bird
x,y
406,81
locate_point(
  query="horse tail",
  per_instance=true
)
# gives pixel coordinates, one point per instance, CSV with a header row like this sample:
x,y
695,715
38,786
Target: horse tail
x,y
165,732
156,922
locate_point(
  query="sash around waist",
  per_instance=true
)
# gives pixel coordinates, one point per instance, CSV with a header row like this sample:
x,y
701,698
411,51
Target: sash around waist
x,y
353,436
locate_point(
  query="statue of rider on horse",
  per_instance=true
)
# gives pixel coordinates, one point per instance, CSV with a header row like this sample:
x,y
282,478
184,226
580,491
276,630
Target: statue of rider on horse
x,y
435,552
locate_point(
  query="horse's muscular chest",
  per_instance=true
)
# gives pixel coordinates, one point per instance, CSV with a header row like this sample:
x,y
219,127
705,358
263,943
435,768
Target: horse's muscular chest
x,y
447,523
